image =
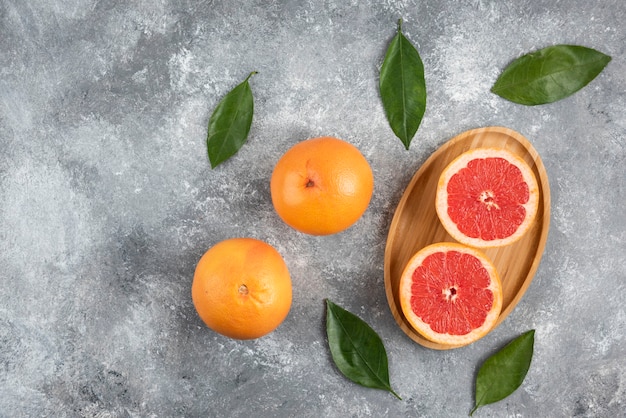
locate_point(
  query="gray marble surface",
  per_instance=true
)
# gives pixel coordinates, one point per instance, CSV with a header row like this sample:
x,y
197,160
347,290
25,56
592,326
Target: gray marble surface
x,y
107,202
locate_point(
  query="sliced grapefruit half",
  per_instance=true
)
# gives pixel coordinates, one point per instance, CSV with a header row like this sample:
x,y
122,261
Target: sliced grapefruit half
x,y
487,197
450,293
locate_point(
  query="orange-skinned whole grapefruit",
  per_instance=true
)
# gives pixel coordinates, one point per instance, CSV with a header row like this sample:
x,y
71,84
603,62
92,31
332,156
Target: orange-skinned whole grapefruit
x,y
242,288
321,186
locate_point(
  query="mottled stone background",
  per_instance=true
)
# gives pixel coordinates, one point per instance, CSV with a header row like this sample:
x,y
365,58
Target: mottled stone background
x,y
107,201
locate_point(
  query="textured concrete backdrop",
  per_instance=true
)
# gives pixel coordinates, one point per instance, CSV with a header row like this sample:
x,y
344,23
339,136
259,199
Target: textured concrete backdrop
x,y
107,202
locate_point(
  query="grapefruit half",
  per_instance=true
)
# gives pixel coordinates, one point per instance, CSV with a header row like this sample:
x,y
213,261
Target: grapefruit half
x,y
487,197
450,293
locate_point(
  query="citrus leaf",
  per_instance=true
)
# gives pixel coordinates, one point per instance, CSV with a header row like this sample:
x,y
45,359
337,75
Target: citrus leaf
x,y
402,87
358,352
502,373
230,122
549,74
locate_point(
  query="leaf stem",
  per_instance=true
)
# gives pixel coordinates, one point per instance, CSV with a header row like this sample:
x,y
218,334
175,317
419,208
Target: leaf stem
x,y
250,75
394,393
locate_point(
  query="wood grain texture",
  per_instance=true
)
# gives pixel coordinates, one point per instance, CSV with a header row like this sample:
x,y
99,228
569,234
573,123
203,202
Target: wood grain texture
x,y
415,223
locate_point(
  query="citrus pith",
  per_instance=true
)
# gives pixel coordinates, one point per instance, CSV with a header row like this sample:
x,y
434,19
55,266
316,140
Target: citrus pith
x,y
242,288
321,186
487,197
450,294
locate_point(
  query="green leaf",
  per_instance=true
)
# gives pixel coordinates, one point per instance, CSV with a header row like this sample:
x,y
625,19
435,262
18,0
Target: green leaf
x,y
402,87
230,123
502,373
549,74
356,349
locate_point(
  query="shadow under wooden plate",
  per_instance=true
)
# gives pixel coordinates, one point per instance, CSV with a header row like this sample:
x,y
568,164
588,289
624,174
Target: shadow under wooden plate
x,y
415,224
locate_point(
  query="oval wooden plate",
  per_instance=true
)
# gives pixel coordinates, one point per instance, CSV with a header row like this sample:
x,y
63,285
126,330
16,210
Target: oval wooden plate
x,y
415,224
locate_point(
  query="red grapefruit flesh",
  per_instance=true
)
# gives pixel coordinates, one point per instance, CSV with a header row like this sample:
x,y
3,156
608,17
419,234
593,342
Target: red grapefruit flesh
x,y
487,197
450,294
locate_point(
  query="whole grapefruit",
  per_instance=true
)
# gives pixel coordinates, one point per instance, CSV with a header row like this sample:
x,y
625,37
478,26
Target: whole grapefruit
x,y
321,186
242,288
